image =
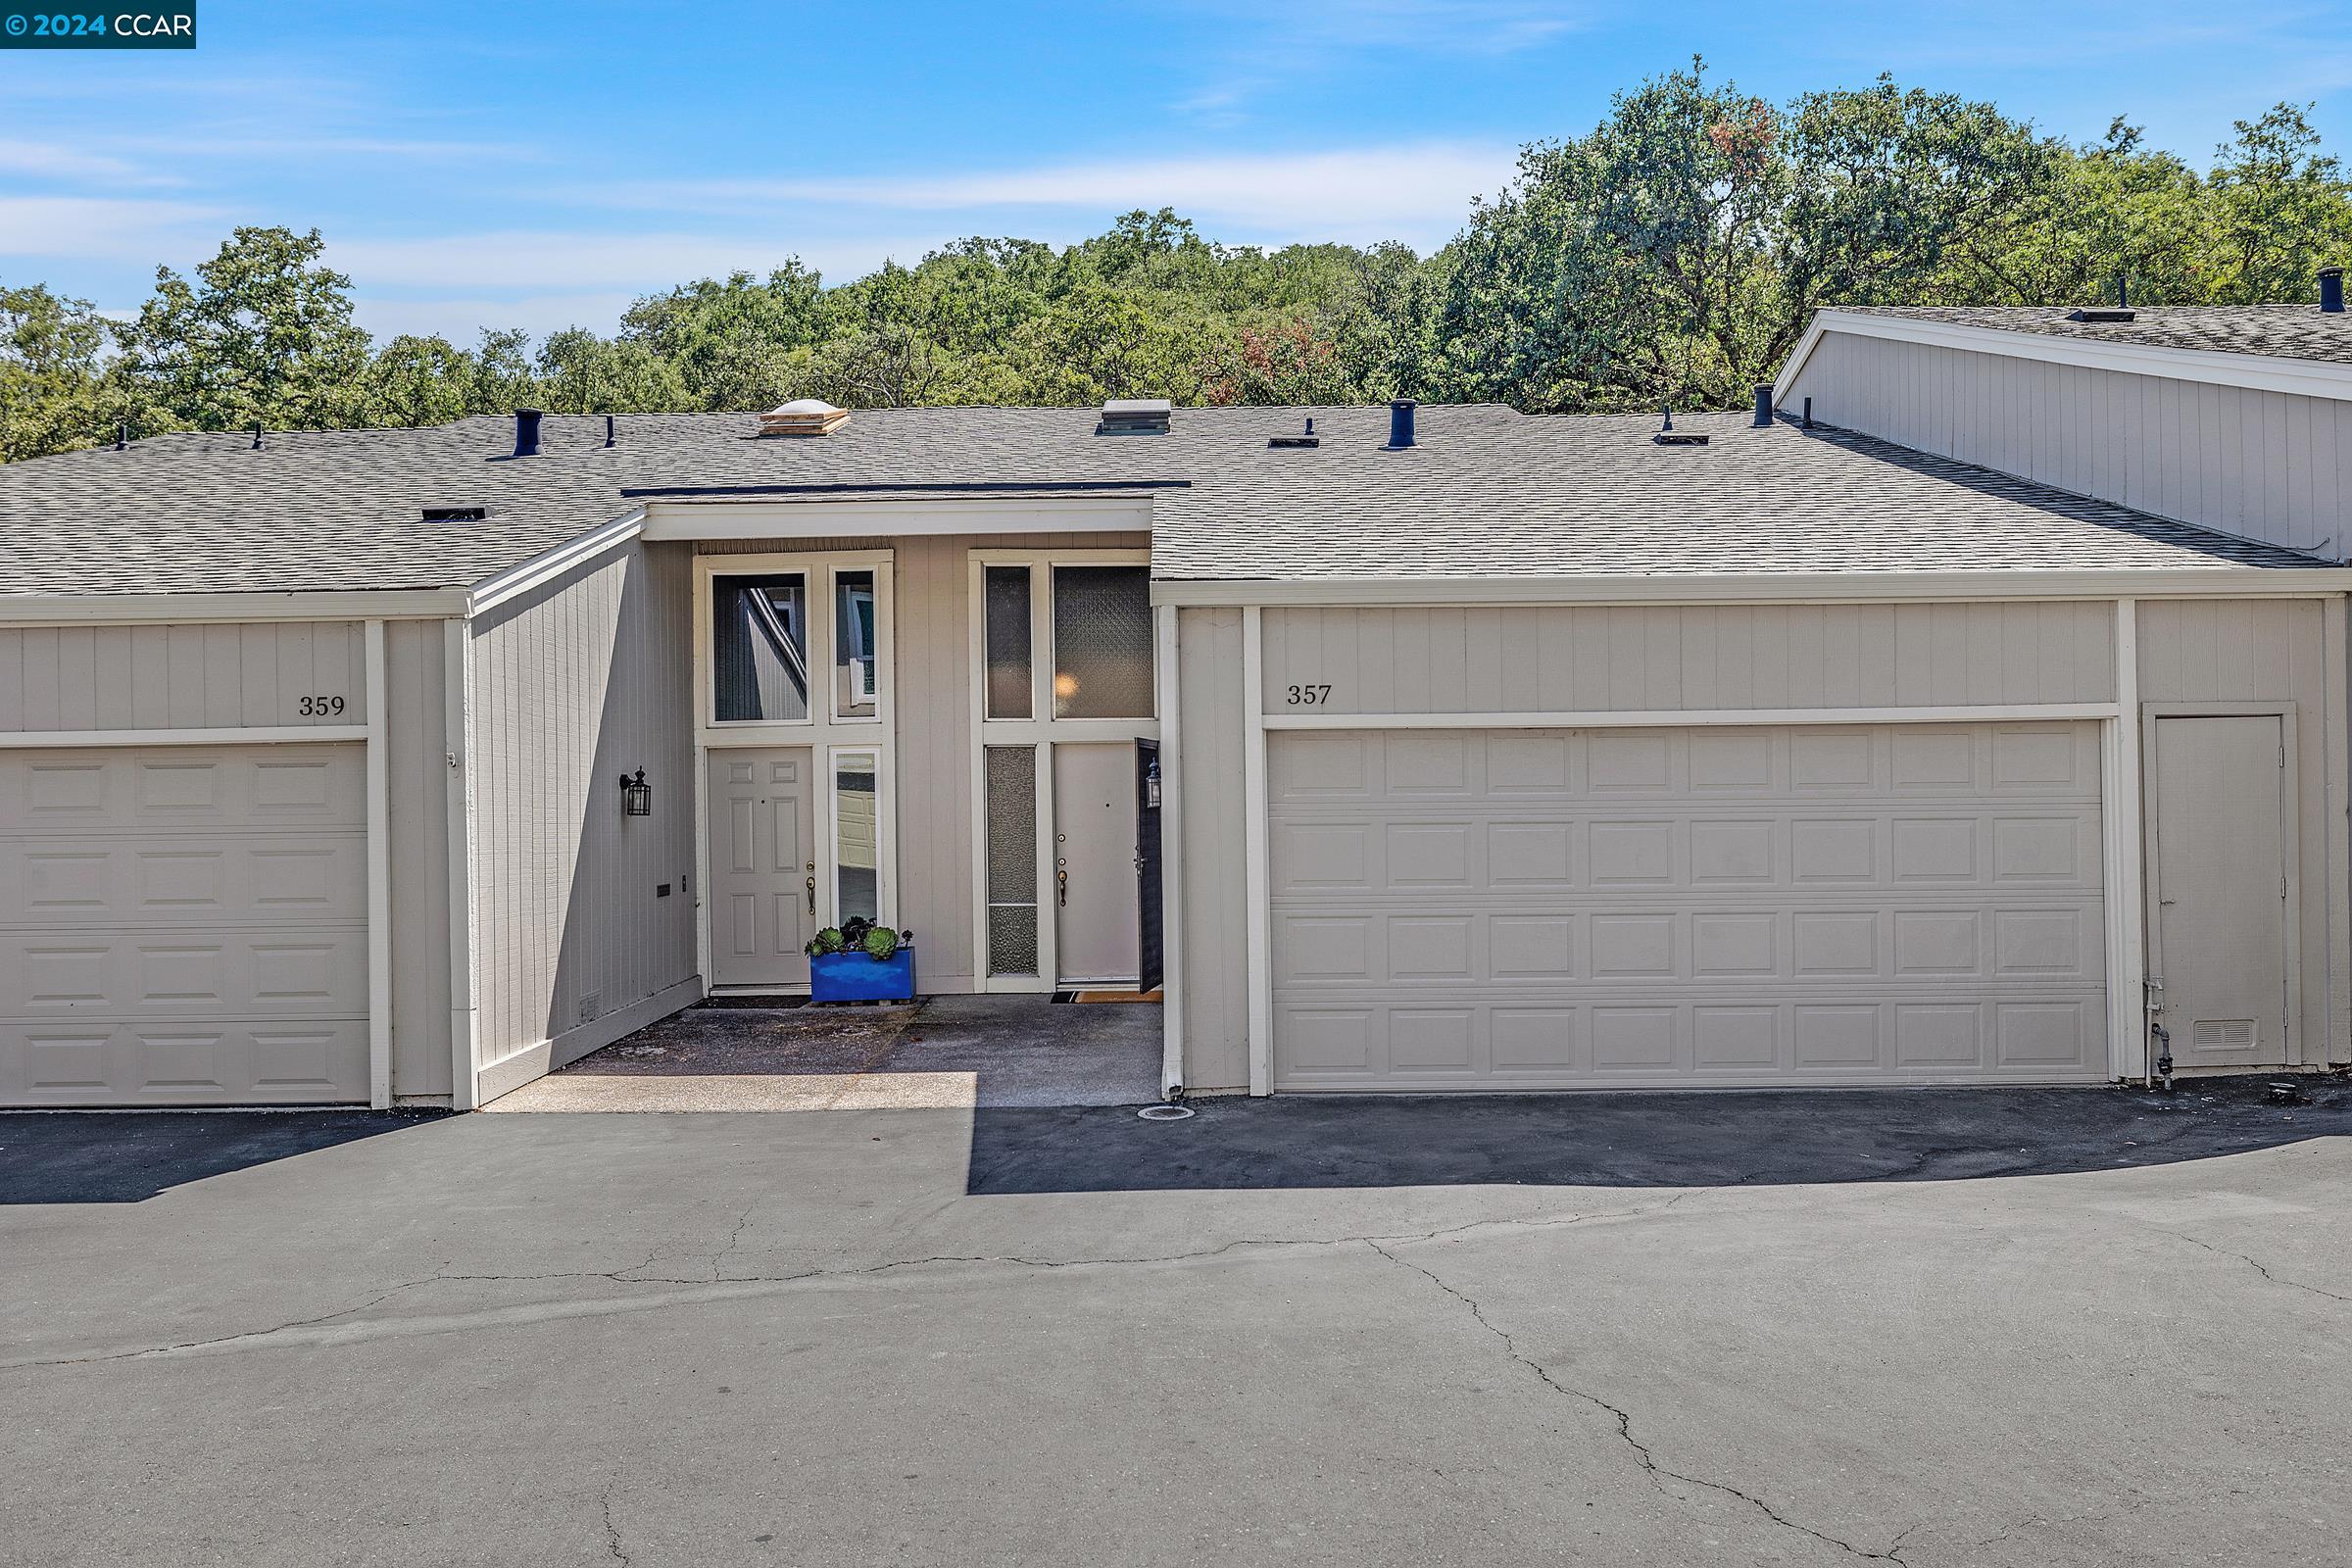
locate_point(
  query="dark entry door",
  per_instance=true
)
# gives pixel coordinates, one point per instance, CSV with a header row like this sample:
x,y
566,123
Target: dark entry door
x,y
1147,863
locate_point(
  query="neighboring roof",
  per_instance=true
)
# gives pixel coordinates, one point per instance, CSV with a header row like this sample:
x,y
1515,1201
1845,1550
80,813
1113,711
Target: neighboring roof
x,y
1487,493
2275,331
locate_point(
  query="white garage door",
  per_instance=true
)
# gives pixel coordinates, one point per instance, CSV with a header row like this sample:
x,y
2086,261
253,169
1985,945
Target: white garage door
x,y
1540,910
183,925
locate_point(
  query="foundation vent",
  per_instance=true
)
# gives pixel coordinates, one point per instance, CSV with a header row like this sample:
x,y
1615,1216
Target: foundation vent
x,y
2223,1034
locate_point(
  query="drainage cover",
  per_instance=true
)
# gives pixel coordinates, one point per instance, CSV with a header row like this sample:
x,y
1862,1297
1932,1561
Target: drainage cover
x,y
1165,1112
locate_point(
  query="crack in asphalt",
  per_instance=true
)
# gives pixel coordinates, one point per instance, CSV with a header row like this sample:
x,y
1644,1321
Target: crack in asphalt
x,y
328,1328
1642,1451
2259,1268
613,1545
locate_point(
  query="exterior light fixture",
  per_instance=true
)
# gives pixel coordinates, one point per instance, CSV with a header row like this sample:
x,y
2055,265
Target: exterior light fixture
x,y
636,795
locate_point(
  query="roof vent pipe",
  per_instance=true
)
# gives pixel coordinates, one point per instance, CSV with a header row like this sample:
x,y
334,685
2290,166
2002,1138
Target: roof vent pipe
x,y
1400,422
256,435
607,429
527,432
1763,403
2332,290
2123,292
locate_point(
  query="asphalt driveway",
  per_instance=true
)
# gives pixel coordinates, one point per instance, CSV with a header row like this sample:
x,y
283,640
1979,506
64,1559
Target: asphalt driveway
x,y
2080,1327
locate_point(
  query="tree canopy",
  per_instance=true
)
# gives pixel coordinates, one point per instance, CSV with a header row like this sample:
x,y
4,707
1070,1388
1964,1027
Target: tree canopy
x,y
1673,254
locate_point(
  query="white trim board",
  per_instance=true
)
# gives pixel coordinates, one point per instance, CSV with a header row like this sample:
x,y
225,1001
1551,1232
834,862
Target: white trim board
x,y
379,875
834,517
548,564
191,609
268,735
1687,718
2260,373
1754,588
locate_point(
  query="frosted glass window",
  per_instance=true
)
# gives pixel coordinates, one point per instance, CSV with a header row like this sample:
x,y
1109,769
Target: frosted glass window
x,y
1010,777
759,648
1008,667
857,646
858,837
1102,642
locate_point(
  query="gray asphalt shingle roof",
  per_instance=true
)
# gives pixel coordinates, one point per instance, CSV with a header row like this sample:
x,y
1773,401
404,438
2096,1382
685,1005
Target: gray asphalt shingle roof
x,y
1487,492
2279,331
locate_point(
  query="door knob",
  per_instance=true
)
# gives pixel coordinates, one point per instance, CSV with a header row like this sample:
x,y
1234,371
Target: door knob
x,y
812,897
1061,886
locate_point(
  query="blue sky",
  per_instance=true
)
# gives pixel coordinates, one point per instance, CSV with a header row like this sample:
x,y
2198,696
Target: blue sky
x,y
473,165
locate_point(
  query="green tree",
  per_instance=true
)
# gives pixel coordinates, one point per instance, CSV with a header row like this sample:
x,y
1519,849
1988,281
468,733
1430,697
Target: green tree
x,y
416,381
52,370
2279,211
263,334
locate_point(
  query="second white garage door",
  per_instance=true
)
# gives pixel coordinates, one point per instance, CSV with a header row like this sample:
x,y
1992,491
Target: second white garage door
x,y
1540,910
183,925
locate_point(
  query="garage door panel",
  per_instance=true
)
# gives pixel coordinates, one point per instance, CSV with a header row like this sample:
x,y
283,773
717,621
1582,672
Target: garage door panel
x,y
229,1062
178,787
183,925
1849,904
127,974
104,879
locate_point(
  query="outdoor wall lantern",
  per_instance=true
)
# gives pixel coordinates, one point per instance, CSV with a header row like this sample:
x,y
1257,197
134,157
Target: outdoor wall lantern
x,y
636,796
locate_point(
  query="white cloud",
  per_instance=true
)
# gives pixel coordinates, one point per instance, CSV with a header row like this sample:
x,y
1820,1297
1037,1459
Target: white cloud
x,y
105,229
537,263
1418,192
49,160
461,320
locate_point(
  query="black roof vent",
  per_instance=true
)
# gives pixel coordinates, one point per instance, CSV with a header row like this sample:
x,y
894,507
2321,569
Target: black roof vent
x,y
527,432
1669,436
455,514
2101,312
1135,416
1310,439
2332,290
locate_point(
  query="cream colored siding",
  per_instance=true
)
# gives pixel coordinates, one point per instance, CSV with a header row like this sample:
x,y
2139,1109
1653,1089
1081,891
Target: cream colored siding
x,y
418,745
1208,855
932,688
2224,650
2268,465
180,677
1588,659
572,686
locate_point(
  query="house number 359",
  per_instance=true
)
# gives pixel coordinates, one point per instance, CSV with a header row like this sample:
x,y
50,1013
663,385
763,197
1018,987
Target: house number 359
x,y
321,706
1307,696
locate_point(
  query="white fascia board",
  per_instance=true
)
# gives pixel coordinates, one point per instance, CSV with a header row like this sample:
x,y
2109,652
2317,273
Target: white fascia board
x,y
130,609
516,581
837,517
1815,588
2262,372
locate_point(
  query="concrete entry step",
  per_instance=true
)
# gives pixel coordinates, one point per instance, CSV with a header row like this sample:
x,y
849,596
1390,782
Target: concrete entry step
x,y
942,1053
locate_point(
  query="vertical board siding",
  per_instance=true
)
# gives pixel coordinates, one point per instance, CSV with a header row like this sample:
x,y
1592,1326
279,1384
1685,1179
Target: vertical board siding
x,y
417,746
2266,466
2224,651
1663,657
1209,854
931,688
180,677
581,682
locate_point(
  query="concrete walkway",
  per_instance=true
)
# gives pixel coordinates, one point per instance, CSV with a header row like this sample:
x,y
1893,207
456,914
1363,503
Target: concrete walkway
x,y
944,1053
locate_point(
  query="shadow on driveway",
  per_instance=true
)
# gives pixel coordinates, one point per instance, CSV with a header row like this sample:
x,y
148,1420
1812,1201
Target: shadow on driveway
x,y
1713,1139
129,1156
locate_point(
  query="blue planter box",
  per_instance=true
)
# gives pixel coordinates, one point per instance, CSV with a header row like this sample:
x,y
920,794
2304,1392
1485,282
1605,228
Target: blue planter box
x,y
855,977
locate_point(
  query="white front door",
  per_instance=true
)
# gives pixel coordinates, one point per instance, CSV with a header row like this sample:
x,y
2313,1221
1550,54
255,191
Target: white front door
x,y
1096,935
762,866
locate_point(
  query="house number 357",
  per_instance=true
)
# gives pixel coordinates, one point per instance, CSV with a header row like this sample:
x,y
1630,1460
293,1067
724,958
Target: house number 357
x,y
1307,696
